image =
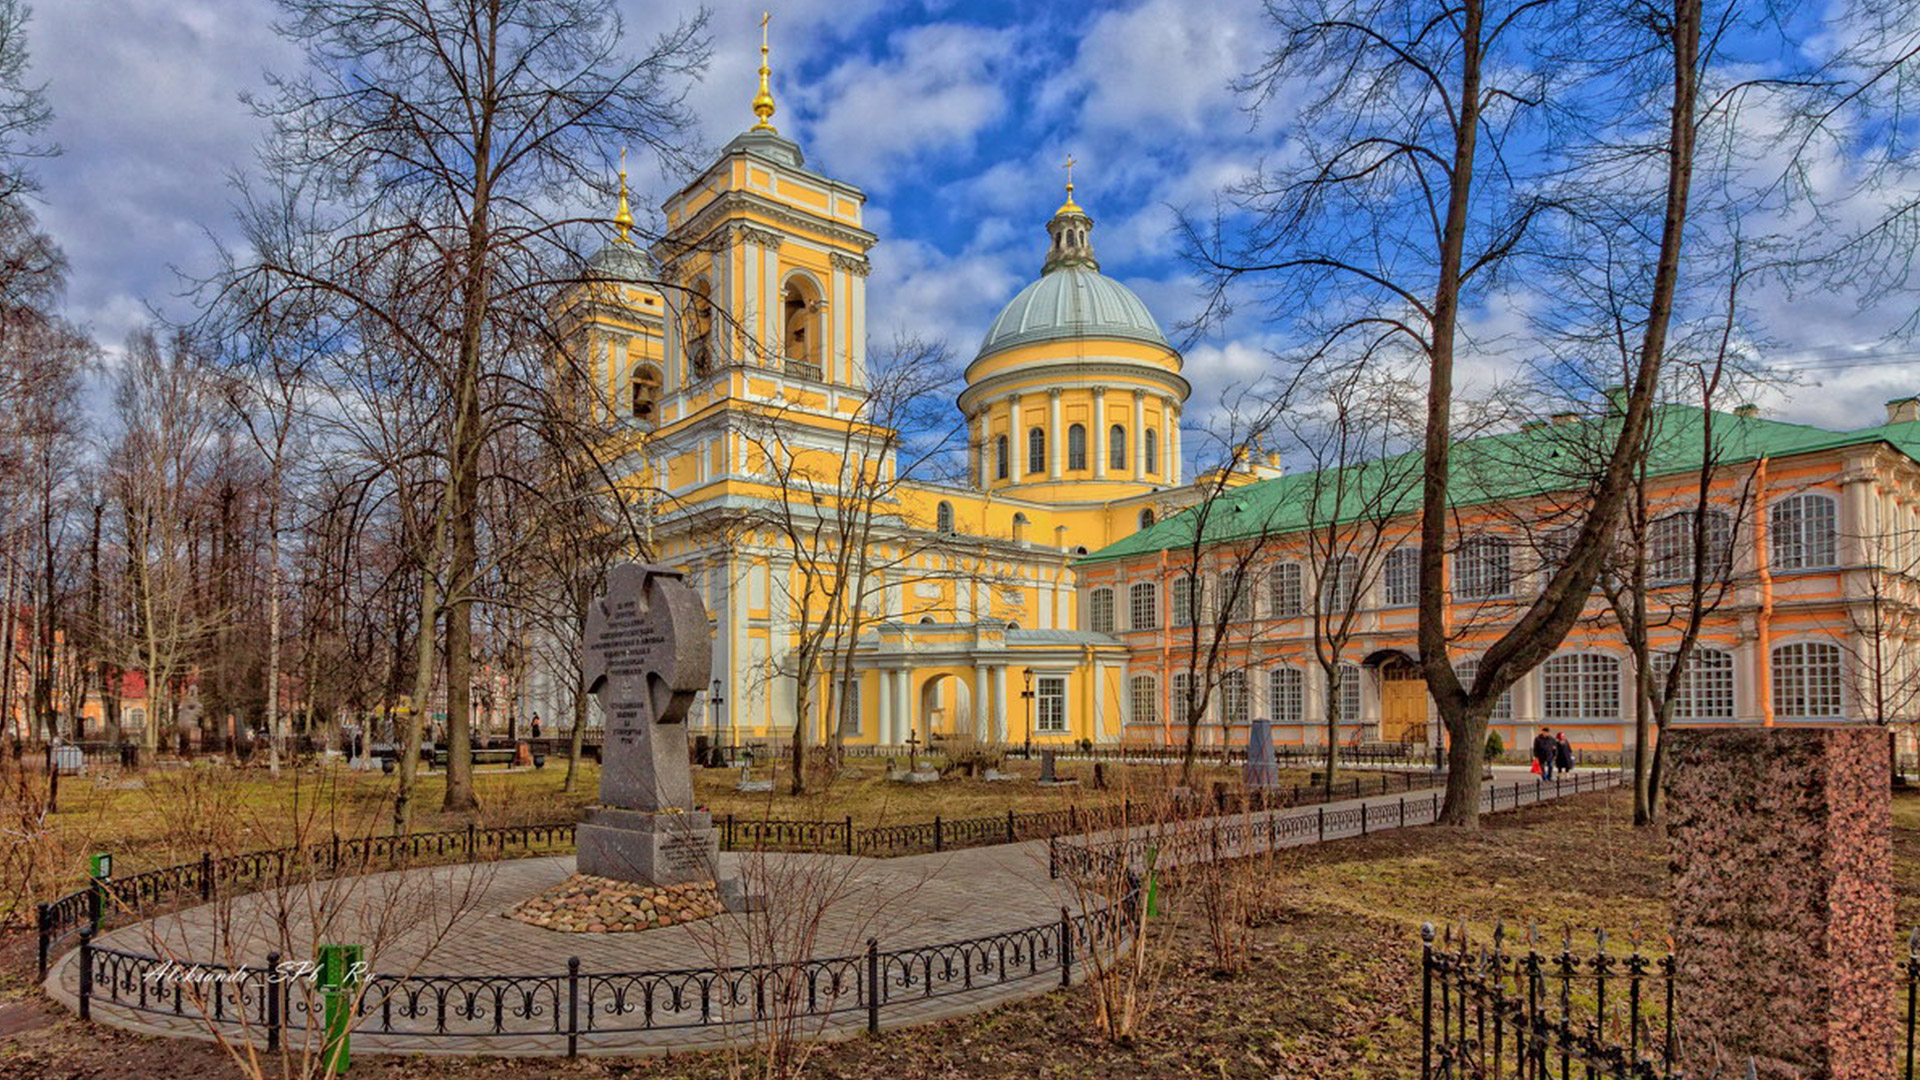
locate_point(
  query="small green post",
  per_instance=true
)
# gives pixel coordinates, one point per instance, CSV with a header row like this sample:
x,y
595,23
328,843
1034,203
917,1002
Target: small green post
x,y
340,967
101,865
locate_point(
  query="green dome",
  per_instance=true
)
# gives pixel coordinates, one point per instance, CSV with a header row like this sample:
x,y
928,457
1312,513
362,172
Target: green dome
x,y
1072,302
622,262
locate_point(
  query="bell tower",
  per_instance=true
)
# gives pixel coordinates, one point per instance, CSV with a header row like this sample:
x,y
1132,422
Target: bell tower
x,y
767,263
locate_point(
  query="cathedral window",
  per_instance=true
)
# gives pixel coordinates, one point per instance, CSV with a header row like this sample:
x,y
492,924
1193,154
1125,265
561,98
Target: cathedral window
x,y
1150,452
1036,450
943,518
1000,457
1100,611
699,330
1076,447
1146,518
801,306
1117,447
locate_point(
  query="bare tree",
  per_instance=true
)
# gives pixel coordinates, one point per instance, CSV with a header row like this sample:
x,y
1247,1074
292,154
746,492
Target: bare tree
x,y
424,147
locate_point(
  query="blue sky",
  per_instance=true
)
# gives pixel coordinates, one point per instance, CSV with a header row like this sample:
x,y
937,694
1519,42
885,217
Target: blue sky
x,y
953,116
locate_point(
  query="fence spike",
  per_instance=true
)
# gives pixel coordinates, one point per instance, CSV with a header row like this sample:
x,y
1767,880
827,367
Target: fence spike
x,y
1426,932
1913,942
1600,936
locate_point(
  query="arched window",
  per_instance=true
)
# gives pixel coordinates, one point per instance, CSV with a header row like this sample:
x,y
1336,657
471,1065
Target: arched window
x,y
1581,687
801,322
1402,575
1482,568
1146,518
1803,530
1144,695
1283,591
1670,547
1076,446
1117,447
1806,681
1285,695
1036,450
1143,606
1503,706
943,517
646,393
1100,611
1150,453
1705,691
1339,585
1000,457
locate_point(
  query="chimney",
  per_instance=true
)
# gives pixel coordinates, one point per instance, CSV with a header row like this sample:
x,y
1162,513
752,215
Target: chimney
x,y
1747,411
1903,410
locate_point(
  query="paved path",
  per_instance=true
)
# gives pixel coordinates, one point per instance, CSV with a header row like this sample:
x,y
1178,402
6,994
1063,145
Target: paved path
x,y
957,932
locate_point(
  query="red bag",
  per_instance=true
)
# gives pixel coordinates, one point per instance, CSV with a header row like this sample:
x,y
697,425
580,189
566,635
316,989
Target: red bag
x,y
1536,766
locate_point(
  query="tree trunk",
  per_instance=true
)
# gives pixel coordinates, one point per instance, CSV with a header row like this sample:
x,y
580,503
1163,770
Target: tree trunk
x,y
422,694
1333,683
1466,758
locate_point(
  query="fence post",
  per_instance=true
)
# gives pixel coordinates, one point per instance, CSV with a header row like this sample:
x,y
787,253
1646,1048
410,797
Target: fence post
x,y
873,985
1403,811
43,917
1066,948
849,834
1363,819
273,1003
206,875
1426,1001
1322,812
573,1006
86,973
1053,857
336,852
936,832
1010,829
470,847
726,833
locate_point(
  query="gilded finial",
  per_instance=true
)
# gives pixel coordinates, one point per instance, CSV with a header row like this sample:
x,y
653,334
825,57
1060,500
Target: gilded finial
x,y
763,101
623,217
1069,207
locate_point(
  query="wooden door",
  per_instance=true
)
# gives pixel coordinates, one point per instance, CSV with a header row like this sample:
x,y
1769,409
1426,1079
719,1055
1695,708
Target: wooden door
x,y
1403,703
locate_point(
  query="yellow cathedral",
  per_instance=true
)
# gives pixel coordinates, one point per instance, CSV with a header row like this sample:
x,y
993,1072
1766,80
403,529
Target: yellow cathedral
x,y
734,353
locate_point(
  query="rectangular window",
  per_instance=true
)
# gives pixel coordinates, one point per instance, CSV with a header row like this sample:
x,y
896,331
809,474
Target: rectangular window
x,y
1234,704
1186,600
1705,691
1143,606
1349,694
1182,697
1050,704
1338,582
1806,681
1482,569
1803,529
1284,591
1503,706
1145,694
1402,575
1100,611
1284,695
1235,592
1581,686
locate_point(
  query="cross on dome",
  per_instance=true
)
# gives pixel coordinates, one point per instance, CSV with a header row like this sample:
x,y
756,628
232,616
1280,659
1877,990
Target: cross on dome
x,y
763,106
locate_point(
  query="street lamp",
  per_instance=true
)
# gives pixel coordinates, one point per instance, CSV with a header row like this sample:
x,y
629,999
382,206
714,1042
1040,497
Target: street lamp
x,y
716,701
1027,695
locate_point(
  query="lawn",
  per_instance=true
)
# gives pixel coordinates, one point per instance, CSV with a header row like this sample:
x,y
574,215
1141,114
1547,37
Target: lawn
x,y
1332,991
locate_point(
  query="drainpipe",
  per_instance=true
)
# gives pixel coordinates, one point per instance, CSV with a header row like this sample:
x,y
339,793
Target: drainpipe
x,y
1763,668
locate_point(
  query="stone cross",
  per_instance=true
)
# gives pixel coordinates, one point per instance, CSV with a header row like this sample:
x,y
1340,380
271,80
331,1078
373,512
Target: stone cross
x,y
648,652
1262,773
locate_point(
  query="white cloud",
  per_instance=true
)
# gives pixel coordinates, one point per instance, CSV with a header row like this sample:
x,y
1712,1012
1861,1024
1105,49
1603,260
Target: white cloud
x,y
935,90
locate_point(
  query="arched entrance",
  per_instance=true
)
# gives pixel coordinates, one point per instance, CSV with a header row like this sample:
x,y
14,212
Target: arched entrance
x,y
946,708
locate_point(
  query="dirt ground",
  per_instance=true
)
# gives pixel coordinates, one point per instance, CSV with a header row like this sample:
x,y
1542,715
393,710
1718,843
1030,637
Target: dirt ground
x,y
1331,991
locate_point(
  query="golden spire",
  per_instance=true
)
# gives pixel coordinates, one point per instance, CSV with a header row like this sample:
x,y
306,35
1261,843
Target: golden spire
x,y
1069,207
623,217
763,101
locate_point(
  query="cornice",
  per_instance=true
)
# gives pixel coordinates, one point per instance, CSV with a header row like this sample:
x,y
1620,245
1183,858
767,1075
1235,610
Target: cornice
x,y
713,216
1079,374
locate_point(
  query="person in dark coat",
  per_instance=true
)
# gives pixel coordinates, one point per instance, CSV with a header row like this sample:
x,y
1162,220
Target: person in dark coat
x,y
1543,752
536,725
1562,753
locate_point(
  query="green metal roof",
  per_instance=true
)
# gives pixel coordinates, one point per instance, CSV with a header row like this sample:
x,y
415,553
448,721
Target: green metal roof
x,y
1534,461
1071,302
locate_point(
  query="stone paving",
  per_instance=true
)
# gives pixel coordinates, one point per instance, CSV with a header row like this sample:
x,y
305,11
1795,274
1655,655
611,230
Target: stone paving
x,y
421,923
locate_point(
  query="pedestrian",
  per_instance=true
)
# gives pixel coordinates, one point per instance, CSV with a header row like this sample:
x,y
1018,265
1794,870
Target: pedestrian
x,y
1543,754
536,725
1563,753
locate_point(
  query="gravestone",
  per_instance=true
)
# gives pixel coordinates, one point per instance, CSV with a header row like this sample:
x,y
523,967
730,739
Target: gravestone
x,y
648,654
749,784
1262,773
1047,776
1783,901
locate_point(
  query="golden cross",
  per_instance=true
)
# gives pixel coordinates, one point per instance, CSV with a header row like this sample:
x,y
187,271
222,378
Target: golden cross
x,y
1070,163
765,17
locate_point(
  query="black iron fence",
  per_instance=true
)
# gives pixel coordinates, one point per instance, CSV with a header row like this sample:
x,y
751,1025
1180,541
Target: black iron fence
x,y
560,1011
1490,1012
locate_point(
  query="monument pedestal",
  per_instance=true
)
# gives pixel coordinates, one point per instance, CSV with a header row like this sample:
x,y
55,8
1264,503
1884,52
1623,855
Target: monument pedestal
x,y
1782,872
657,849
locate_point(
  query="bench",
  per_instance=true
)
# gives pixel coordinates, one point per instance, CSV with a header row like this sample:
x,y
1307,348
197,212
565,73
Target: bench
x,y
480,757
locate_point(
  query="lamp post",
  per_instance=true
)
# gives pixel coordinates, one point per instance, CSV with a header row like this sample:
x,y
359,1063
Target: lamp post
x,y
1027,696
716,701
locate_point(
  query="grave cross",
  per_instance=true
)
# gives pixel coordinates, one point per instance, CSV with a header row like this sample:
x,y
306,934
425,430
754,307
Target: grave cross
x,y
648,652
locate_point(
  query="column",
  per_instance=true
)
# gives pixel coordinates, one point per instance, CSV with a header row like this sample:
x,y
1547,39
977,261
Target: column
x,y
1099,702
999,696
1170,421
903,706
1140,434
986,451
884,732
1097,437
1056,436
980,709
1016,441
